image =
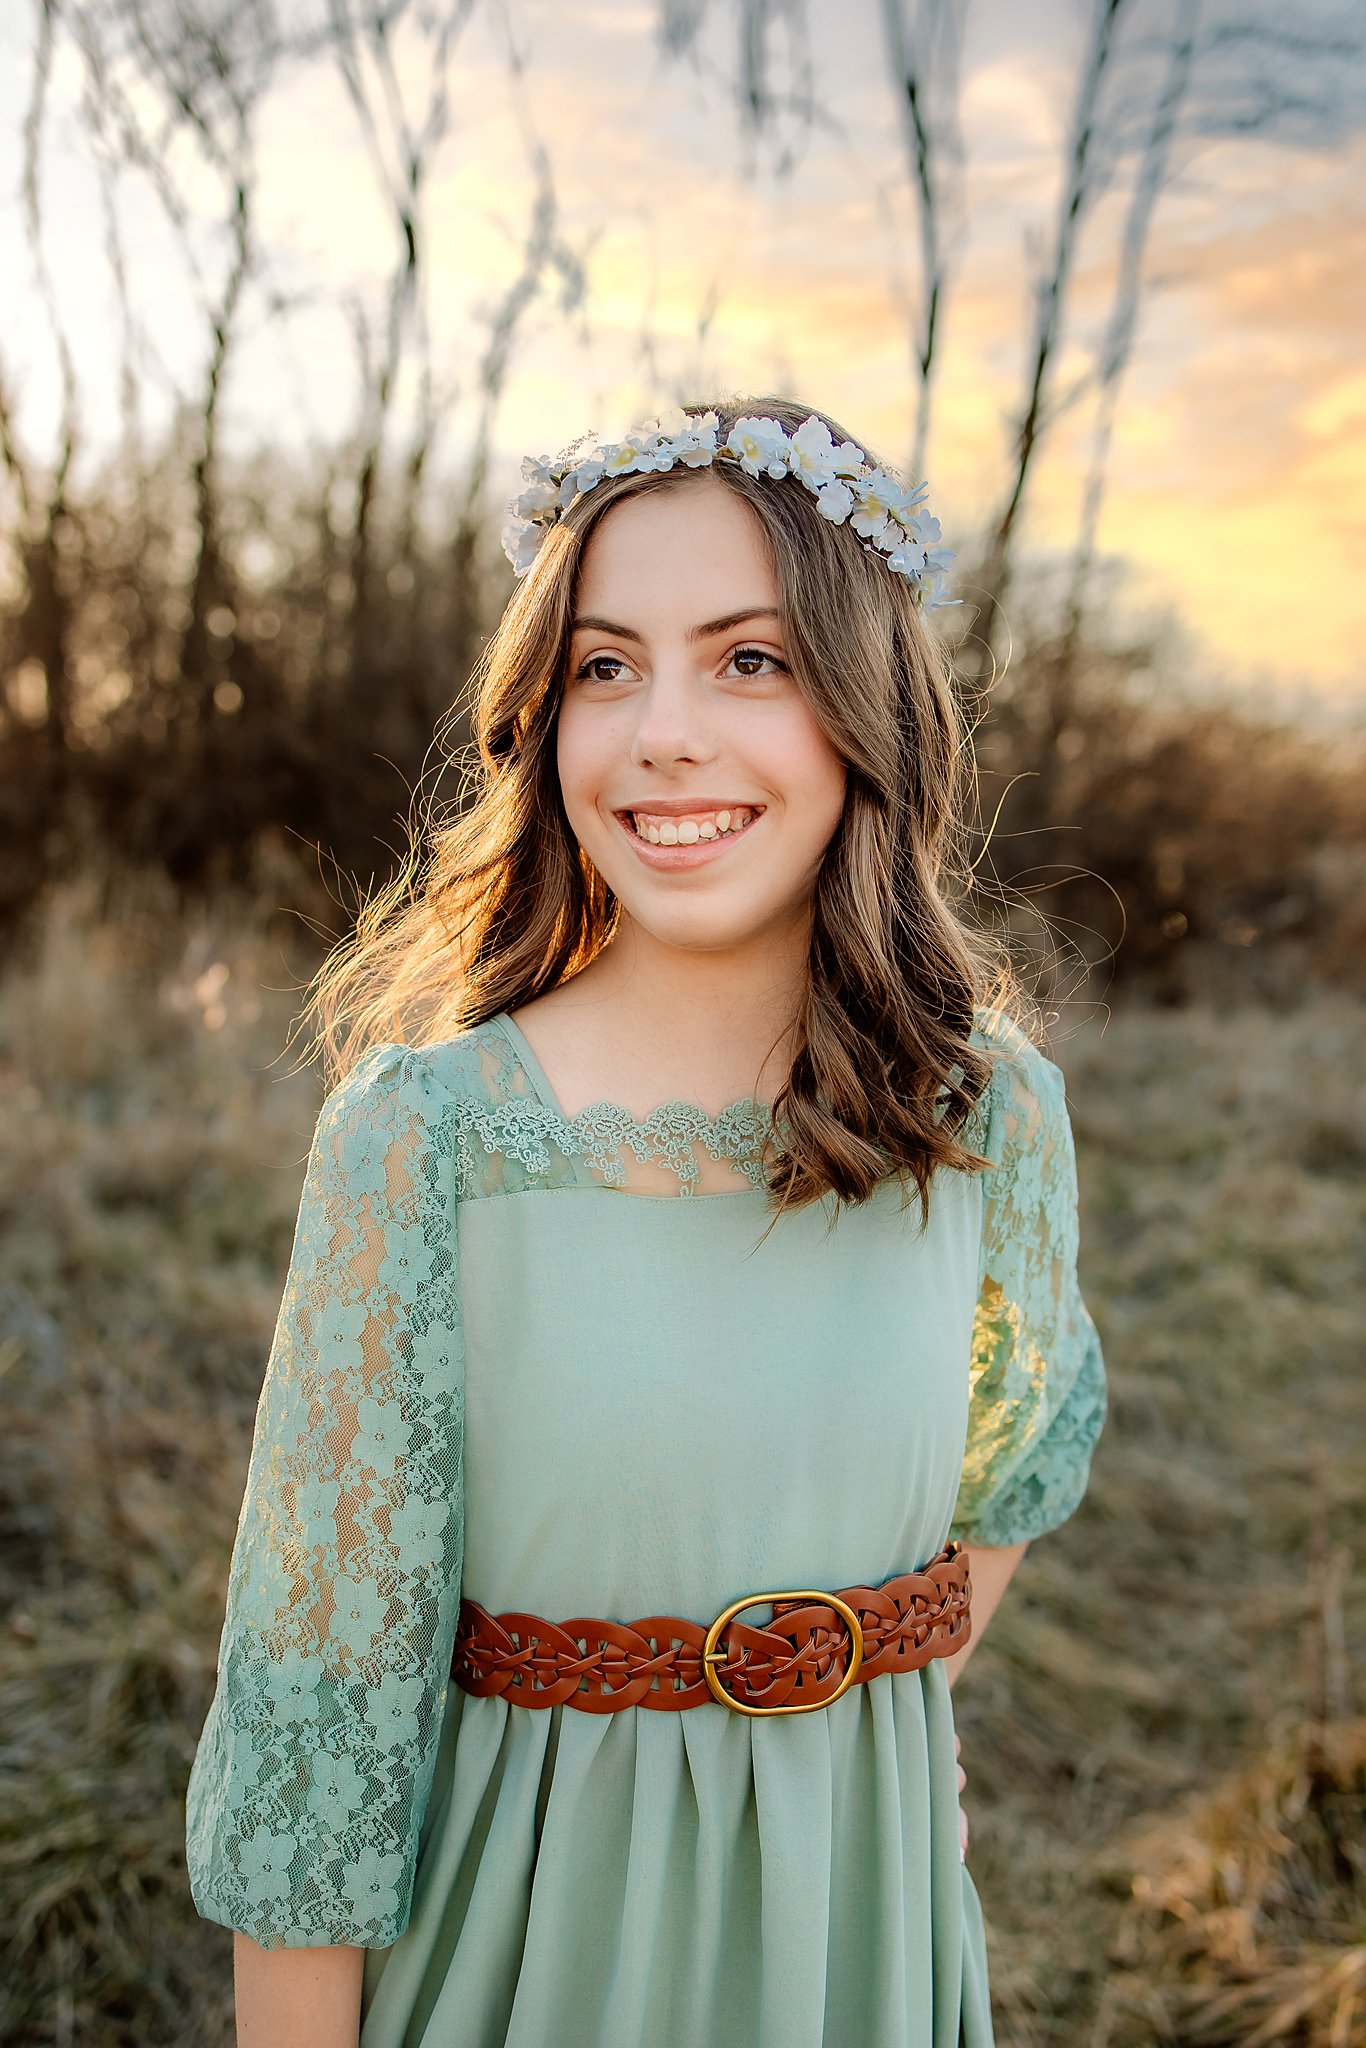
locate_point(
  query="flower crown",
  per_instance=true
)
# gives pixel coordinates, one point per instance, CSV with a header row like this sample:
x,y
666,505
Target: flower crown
x,y
882,511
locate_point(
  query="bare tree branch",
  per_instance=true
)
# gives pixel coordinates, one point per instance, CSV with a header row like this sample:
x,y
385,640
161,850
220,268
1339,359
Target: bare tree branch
x,y
1118,343
207,73
1050,299
774,89
401,151
48,623
922,57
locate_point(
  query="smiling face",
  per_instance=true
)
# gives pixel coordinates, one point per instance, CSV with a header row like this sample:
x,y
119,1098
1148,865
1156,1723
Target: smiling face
x,y
694,773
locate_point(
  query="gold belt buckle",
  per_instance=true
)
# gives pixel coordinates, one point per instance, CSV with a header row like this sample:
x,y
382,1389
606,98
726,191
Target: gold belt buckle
x,y
711,1656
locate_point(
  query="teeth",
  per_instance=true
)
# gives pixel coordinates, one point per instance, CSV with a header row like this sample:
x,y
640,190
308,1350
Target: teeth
x,y
687,831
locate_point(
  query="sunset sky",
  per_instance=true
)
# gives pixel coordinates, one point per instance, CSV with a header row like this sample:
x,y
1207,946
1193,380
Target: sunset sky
x,y
1238,478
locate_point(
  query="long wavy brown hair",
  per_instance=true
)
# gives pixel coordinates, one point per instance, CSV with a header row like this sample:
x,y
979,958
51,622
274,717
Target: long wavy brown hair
x,y
498,903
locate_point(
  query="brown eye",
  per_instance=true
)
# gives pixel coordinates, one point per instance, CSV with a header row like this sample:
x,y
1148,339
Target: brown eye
x,y
588,673
744,659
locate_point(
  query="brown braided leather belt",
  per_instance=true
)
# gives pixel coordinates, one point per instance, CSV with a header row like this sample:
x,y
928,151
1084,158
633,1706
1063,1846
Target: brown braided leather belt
x,y
813,1649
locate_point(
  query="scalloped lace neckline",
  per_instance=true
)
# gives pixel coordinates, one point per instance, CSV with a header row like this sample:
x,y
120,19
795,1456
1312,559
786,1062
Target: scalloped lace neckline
x,y
668,1136
677,1106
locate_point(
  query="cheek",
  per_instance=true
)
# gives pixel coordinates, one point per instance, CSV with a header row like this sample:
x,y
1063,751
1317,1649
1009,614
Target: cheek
x,y
814,776
578,759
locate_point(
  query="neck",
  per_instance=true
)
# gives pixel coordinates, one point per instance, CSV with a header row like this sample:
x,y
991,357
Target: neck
x,y
719,1020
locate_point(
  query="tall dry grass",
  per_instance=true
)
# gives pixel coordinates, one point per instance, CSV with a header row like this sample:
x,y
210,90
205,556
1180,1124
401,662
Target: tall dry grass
x,y
1165,1764
150,1160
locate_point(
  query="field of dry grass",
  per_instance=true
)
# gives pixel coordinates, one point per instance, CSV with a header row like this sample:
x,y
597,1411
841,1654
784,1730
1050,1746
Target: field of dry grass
x,y
1167,1762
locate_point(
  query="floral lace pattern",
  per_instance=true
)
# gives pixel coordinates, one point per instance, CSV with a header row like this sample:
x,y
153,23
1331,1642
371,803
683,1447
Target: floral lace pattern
x,y
317,1754
1038,1393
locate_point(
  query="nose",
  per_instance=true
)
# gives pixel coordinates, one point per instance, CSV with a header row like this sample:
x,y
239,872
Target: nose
x,y
673,724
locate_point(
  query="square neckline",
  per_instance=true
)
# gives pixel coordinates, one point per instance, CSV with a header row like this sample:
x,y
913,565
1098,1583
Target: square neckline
x,y
712,1125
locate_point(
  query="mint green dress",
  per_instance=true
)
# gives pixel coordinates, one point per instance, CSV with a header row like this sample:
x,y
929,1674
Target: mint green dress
x,y
501,1370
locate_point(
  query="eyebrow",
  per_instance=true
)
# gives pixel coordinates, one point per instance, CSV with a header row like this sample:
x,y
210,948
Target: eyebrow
x,y
591,623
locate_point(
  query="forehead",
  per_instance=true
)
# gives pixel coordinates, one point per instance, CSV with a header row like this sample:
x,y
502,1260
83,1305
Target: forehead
x,y
692,548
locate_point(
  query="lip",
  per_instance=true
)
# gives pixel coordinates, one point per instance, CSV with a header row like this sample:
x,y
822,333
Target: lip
x,y
667,858
684,806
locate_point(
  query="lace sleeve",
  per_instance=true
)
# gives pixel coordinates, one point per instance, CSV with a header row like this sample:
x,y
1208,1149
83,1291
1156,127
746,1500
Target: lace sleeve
x,y
315,1762
1038,1394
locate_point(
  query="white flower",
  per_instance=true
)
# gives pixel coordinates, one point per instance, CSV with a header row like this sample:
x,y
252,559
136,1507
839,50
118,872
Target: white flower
x,y
761,446
909,559
521,543
899,498
815,458
835,501
935,579
676,434
877,496
648,447
696,446
653,453
926,568
813,451
620,460
656,448
870,517
672,422
538,497
588,473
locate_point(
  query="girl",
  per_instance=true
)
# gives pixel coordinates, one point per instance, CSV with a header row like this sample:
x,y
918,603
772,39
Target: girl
x,y
685,1273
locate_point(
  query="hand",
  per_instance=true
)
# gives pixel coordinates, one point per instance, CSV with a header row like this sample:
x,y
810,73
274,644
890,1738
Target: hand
x,y
962,1786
